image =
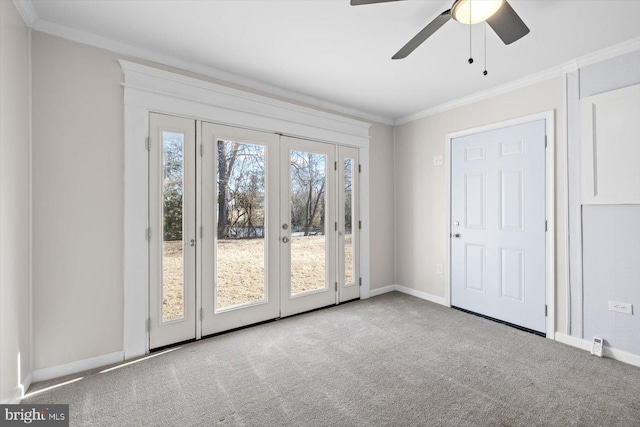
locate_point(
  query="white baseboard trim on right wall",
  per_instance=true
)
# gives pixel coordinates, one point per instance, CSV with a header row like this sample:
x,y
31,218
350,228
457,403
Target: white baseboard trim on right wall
x,y
409,291
613,353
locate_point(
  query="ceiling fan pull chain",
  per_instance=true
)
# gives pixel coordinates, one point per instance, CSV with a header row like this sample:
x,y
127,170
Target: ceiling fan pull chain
x,y
470,52
485,49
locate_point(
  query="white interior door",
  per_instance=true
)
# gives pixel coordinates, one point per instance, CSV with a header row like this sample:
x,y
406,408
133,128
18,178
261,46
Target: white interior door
x,y
172,230
240,227
348,225
308,225
498,224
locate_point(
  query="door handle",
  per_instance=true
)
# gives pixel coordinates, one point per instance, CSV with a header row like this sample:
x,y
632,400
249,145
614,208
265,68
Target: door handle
x,y
192,242
285,239
455,235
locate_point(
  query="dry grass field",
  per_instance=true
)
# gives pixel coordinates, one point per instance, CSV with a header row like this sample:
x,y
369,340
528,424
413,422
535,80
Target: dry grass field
x,y
241,271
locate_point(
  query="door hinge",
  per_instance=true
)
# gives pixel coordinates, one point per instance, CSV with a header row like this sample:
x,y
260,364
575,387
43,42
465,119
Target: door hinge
x,y
201,150
546,225
360,281
359,168
149,324
545,310
148,233
359,225
336,226
545,141
147,144
201,314
201,232
336,286
335,166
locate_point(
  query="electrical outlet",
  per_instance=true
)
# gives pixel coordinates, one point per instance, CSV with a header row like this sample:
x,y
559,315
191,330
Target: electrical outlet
x,y
621,307
440,269
438,160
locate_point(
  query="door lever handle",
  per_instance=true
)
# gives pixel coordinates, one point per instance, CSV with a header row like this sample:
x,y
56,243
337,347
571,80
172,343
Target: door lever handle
x,y
455,235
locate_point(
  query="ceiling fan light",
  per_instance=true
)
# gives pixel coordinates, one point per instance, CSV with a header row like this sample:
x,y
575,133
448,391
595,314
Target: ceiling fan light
x,y
472,12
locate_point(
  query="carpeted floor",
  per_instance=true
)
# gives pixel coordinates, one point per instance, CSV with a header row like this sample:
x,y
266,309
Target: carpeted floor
x,y
391,360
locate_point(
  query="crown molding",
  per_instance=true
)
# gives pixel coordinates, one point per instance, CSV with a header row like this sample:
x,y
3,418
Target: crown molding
x,y
619,49
26,10
122,48
479,96
623,48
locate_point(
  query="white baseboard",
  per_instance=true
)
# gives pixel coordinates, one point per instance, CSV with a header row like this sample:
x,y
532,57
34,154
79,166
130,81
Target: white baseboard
x,y
573,341
380,291
421,294
76,366
613,353
409,291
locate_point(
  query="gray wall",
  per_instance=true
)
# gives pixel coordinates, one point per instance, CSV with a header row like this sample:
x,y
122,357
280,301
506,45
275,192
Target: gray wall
x,y
14,201
78,201
611,263
611,234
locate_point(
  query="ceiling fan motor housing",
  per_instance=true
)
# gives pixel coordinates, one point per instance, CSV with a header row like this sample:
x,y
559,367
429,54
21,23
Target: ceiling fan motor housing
x,y
474,12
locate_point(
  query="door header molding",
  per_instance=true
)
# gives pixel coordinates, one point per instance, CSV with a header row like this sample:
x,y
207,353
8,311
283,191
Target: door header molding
x,y
190,97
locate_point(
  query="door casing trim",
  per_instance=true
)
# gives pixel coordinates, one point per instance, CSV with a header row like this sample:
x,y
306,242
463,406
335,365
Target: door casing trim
x,y
148,89
550,191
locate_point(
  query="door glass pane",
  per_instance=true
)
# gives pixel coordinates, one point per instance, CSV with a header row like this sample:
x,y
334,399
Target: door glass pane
x,y
240,250
308,240
172,214
348,221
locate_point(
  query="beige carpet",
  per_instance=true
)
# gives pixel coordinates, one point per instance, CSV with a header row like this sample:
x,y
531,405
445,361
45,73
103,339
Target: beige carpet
x,y
392,360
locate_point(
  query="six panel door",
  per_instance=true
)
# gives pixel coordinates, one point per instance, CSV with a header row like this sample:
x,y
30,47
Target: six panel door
x,y
498,224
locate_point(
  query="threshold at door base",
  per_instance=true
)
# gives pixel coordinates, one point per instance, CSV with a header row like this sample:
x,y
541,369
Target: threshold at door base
x,y
164,347
321,308
240,328
175,344
522,328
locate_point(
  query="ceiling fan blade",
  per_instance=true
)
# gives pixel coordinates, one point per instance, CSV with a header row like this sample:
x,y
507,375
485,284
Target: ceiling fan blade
x,y
361,2
507,24
426,32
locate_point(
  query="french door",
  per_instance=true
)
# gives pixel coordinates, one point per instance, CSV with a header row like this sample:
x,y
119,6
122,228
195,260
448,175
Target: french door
x,y
172,230
308,218
239,237
268,227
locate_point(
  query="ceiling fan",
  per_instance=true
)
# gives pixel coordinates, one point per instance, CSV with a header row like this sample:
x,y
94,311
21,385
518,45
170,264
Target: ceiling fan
x,y
497,13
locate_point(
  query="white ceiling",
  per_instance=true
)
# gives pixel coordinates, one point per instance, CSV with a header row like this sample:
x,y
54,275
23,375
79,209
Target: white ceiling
x,y
337,55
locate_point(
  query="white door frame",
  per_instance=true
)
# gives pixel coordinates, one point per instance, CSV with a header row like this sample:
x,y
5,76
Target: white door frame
x,y
148,89
549,117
